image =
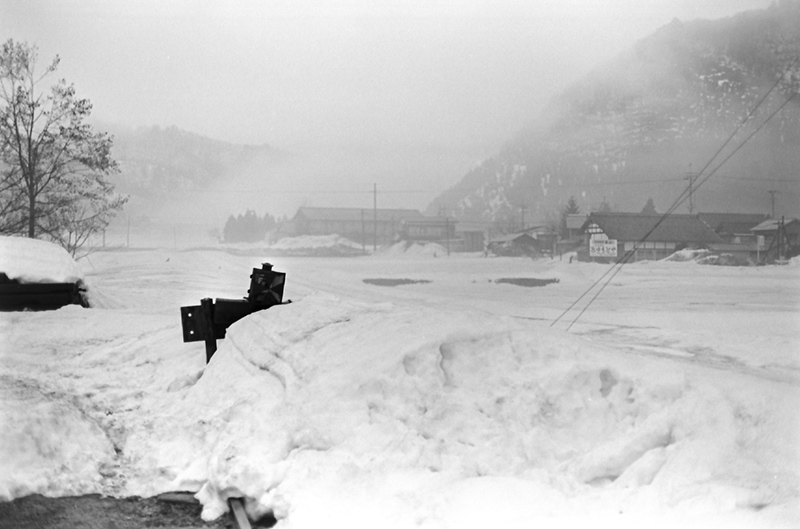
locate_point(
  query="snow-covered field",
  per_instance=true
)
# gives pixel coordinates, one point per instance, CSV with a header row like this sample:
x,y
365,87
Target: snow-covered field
x,y
450,403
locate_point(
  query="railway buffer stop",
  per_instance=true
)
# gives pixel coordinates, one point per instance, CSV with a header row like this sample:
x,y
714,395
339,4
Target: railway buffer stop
x,y
209,321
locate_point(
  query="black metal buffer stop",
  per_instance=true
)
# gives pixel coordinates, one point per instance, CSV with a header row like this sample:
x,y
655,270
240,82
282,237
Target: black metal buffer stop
x,y
209,321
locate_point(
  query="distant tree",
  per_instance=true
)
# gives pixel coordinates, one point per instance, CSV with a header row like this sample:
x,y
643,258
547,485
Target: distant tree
x,y
649,208
52,183
604,207
571,208
248,227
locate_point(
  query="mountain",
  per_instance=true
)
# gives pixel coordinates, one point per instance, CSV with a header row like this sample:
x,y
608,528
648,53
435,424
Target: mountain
x,y
641,126
156,161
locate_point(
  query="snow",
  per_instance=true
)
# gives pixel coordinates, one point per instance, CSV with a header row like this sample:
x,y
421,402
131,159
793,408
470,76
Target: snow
x,y
316,242
452,403
35,261
414,249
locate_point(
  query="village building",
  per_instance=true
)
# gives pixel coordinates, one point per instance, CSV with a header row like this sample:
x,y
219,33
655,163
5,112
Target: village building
x,y
428,229
610,236
513,245
365,225
472,235
778,238
574,223
734,228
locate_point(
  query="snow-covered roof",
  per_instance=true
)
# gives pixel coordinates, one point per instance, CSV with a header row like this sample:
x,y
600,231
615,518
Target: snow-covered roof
x,y
356,214
518,237
35,261
772,225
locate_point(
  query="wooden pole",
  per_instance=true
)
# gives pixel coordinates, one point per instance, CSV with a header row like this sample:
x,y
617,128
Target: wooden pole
x,y
447,229
363,235
239,514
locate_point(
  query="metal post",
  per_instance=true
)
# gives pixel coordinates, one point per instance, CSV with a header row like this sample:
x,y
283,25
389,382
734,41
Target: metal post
x,y
207,314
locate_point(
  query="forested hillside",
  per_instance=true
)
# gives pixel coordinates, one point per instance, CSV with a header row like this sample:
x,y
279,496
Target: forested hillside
x,y
642,125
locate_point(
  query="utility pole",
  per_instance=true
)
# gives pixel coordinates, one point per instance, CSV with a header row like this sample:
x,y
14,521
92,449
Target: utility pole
x,y
522,216
374,217
363,234
447,228
690,176
443,213
772,193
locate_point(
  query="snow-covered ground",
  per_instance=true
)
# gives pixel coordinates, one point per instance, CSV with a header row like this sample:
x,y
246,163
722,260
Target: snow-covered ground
x,y
449,403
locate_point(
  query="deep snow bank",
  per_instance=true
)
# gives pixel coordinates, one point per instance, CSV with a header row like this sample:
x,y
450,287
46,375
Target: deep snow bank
x,y
413,249
35,261
345,414
317,245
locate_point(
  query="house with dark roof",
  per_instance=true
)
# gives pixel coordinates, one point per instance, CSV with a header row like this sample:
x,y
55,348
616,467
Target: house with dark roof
x,y
514,245
364,225
610,236
734,228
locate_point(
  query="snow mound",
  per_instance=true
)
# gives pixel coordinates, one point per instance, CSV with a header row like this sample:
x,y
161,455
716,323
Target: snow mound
x,y
35,261
688,255
414,249
706,257
378,415
321,245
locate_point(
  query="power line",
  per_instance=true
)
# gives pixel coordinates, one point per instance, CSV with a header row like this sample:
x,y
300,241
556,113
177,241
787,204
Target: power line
x,y
747,186
757,179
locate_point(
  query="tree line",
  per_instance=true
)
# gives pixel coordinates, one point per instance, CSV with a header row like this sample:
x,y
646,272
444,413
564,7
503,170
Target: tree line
x,y
248,227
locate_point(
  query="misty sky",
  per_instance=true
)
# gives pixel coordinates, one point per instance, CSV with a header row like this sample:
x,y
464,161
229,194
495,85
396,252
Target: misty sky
x,y
458,75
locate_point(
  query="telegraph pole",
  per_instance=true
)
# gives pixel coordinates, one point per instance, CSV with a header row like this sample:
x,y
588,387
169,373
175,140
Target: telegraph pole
x,y
363,234
374,217
690,176
772,193
522,216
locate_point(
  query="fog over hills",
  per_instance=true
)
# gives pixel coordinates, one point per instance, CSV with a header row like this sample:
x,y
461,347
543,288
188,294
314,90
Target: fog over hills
x,y
641,125
173,175
632,129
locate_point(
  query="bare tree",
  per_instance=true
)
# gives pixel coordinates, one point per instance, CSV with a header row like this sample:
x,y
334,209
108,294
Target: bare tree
x,y
53,164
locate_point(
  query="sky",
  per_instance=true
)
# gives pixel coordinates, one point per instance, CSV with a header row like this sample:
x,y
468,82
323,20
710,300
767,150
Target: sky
x,y
457,78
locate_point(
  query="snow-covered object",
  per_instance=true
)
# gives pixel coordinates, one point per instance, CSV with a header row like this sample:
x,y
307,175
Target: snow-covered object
x,y
414,249
688,254
36,261
327,245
